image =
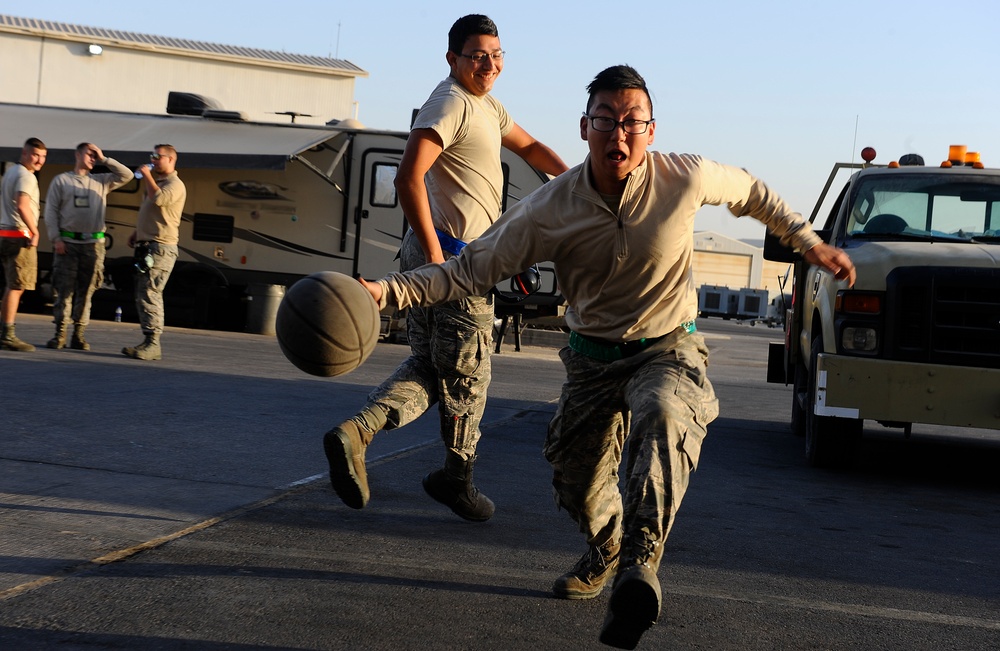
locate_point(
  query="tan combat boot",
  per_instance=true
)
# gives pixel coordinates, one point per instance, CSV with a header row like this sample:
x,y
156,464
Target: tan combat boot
x,y
59,340
9,340
78,342
591,572
149,349
345,447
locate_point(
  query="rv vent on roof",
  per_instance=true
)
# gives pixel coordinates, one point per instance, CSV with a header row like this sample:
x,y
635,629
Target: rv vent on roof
x,y
179,103
218,114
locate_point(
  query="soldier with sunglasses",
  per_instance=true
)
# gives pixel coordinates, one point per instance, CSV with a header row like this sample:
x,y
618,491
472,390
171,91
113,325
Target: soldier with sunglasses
x,y
157,232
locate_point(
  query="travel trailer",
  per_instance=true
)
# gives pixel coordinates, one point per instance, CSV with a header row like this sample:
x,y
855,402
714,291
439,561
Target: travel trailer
x,y
267,204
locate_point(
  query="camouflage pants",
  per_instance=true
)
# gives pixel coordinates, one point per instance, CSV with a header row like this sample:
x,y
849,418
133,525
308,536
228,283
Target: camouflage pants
x,y
76,275
149,287
449,364
662,402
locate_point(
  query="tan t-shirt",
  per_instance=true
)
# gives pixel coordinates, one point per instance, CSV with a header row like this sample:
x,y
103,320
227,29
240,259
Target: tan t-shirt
x,y
465,184
160,217
18,180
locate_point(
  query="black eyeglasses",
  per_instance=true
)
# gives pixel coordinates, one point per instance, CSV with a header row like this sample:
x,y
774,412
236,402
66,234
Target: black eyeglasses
x,y
479,57
607,125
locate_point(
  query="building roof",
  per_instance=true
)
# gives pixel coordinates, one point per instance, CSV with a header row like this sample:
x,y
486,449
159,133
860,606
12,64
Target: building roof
x,y
134,40
712,240
129,137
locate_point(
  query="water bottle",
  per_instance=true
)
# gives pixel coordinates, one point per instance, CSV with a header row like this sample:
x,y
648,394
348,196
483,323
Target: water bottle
x,y
118,314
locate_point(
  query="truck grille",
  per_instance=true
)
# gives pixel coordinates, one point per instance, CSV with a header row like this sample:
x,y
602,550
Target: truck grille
x,y
943,315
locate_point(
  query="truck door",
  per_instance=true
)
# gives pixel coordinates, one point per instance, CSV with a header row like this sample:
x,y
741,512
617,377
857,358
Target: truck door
x,y
379,224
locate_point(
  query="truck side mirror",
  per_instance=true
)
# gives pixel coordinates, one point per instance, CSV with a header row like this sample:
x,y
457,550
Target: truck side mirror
x,y
775,251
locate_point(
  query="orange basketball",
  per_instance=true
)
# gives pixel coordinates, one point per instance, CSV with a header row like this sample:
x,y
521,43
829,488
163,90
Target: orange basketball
x,y
327,324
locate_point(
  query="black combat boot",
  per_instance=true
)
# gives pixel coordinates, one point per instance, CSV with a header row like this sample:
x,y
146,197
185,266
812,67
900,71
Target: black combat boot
x,y
635,597
452,486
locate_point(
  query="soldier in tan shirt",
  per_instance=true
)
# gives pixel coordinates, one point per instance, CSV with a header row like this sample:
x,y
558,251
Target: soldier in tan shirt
x,y
450,185
19,223
157,231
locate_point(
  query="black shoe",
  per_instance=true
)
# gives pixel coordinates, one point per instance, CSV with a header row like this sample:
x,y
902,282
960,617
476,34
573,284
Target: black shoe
x,y
633,608
453,487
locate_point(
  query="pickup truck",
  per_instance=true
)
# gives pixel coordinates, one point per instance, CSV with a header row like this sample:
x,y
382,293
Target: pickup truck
x,y
917,338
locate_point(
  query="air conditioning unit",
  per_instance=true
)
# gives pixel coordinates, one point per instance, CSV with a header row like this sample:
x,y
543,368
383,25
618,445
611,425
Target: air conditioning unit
x,y
179,103
752,303
716,300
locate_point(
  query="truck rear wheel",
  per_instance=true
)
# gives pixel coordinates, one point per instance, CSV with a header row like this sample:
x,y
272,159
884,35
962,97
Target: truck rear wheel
x,y
830,442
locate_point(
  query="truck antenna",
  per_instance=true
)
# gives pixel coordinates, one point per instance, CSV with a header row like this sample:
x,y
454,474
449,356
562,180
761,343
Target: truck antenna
x,y
854,146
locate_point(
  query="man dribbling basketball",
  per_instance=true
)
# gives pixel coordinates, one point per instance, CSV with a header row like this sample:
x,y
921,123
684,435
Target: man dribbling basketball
x,y
619,231
450,185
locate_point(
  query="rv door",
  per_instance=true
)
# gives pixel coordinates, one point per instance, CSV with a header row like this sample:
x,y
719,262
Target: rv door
x,y
379,224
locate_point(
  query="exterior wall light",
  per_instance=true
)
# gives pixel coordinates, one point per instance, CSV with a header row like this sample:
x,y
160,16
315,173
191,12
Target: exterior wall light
x,y
95,50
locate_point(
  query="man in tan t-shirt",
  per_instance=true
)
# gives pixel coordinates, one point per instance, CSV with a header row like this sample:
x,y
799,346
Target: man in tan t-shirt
x,y
157,231
19,216
450,185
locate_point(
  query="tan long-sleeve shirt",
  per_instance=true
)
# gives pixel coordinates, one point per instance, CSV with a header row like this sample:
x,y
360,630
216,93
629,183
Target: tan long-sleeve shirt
x,y
625,275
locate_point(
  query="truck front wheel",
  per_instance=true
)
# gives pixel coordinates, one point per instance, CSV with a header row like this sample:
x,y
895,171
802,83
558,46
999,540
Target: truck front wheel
x,y
830,442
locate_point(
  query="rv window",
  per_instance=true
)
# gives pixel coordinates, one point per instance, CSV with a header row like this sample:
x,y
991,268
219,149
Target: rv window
x,y
212,228
129,188
383,190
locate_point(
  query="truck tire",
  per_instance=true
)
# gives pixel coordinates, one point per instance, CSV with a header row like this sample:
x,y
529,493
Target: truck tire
x,y
830,442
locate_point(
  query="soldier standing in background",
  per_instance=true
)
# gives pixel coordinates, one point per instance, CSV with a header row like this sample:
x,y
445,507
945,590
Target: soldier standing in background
x,y
19,215
74,220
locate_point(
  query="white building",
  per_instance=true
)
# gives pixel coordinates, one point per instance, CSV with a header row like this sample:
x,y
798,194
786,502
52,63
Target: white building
x,y
54,64
724,261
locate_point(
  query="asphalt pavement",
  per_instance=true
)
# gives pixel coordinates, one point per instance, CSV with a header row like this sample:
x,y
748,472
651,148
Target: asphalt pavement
x,y
183,504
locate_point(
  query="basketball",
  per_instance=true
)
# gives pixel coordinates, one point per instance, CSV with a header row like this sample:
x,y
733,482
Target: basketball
x,y
327,324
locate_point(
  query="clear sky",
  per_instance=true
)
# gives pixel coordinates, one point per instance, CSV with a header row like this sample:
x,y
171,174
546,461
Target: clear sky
x,y
783,88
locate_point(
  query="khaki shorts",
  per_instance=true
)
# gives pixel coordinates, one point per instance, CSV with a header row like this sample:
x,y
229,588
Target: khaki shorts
x,y
20,262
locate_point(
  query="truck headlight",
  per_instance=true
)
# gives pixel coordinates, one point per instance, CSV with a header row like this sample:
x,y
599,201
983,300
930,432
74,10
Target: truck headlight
x,y
859,339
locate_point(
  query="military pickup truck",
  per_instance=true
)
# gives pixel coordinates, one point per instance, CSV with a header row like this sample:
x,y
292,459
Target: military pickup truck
x,y
917,339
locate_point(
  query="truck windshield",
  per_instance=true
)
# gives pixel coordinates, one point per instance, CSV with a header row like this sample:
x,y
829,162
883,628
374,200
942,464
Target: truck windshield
x,y
909,206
